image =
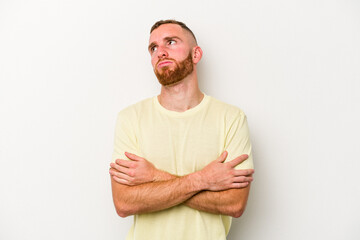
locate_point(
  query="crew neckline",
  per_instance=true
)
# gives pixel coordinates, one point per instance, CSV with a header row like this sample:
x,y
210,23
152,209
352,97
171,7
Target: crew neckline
x,y
188,112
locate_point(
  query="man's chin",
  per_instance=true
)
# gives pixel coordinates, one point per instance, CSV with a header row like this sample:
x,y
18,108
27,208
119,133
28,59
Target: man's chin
x,y
166,78
170,83
165,71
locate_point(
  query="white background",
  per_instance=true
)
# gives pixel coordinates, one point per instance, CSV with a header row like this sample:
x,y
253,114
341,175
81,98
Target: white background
x,y
68,66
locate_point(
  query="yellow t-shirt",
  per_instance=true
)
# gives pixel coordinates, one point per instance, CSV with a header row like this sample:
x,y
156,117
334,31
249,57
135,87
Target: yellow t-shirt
x,y
181,143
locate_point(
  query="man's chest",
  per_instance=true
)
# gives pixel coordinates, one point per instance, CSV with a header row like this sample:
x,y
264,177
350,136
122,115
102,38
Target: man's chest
x,y
180,146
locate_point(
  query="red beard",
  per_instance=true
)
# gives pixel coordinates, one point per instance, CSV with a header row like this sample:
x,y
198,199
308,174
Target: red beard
x,y
166,76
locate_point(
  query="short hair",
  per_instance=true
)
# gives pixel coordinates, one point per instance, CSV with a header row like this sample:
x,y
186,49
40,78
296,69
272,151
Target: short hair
x,y
181,24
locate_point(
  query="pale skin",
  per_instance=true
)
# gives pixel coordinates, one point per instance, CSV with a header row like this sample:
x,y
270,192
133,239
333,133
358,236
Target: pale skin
x,y
139,187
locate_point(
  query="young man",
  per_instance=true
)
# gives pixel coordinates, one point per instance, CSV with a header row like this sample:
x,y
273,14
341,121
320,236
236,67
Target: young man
x,y
182,161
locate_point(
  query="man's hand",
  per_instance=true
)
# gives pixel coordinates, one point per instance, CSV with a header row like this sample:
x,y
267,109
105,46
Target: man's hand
x,y
134,172
222,176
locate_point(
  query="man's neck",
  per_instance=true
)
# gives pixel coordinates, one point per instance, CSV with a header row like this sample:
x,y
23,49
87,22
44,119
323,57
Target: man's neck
x,y
181,96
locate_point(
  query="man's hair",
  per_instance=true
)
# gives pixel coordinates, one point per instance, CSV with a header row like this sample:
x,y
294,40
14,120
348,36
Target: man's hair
x,y
181,24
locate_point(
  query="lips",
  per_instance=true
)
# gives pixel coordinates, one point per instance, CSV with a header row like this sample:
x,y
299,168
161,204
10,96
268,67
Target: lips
x,y
164,63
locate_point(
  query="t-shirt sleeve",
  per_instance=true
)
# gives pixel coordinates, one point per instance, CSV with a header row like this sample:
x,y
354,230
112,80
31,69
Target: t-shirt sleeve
x,y
237,141
125,136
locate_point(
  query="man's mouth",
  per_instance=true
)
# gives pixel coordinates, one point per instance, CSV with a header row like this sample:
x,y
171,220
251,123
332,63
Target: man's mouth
x,y
164,63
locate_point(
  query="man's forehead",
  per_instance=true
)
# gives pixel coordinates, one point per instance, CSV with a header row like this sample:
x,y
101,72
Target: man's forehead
x,y
167,30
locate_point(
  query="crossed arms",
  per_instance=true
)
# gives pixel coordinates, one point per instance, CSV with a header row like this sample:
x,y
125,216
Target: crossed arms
x,y
139,187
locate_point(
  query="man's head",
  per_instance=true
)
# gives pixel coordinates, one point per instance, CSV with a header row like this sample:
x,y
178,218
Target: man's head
x,y
170,21
174,51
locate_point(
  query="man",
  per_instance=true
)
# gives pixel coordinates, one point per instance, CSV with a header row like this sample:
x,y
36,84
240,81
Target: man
x,y
182,160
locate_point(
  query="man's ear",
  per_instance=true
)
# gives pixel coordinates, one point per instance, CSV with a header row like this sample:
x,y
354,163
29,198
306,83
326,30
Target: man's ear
x,y
197,54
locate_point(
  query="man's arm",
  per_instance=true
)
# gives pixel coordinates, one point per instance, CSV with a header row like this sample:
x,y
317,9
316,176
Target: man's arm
x,y
231,202
141,172
154,196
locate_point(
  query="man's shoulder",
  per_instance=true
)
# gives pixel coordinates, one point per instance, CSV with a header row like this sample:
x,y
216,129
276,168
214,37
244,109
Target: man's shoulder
x,y
226,109
137,107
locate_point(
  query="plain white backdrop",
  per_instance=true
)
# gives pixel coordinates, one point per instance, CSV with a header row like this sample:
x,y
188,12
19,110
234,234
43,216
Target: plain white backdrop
x,y
68,66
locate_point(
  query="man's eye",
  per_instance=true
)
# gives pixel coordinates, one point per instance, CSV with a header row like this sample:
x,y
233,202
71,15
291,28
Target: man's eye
x,y
172,42
153,49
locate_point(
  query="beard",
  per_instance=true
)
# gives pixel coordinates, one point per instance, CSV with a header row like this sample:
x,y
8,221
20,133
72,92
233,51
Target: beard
x,y
167,77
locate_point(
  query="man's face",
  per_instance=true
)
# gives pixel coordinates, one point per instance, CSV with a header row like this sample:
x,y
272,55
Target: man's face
x,y
170,50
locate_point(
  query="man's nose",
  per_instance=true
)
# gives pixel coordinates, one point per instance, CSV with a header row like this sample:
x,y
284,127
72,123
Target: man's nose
x,y
162,53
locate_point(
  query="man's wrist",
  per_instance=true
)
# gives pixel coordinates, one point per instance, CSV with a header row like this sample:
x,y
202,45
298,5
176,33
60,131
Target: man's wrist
x,y
163,176
197,181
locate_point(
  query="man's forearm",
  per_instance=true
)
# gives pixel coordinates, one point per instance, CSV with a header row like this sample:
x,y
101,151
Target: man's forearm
x,y
154,196
230,202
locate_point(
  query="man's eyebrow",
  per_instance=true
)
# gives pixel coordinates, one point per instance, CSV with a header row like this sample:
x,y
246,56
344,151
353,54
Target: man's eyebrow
x,y
172,37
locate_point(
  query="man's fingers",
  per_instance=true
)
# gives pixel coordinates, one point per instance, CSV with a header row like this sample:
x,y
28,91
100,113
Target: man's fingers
x,y
120,175
243,179
124,163
121,168
239,185
238,160
122,181
244,172
222,157
133,156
